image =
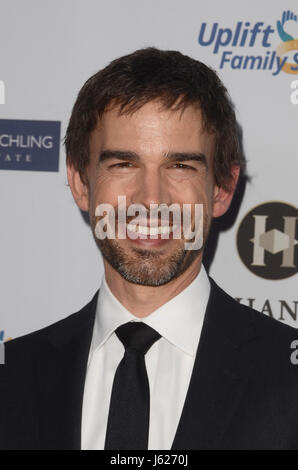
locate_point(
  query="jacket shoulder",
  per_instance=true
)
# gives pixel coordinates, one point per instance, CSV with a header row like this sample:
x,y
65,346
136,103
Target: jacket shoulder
x,y
264,324
72,322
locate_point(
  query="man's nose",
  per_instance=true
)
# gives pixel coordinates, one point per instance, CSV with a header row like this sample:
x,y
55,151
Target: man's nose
x,y
151,188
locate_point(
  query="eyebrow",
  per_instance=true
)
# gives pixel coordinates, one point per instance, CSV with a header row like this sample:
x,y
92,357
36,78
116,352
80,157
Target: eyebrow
x,y
169,156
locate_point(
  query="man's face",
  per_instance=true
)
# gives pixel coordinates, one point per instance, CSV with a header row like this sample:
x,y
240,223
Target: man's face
x,y
142,156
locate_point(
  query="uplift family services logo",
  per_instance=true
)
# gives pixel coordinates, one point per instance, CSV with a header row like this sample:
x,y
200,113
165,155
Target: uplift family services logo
x,y
256,37
2,335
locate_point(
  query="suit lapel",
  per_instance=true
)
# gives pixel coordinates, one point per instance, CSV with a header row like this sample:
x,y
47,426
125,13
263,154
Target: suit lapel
x,y
62,372
224,360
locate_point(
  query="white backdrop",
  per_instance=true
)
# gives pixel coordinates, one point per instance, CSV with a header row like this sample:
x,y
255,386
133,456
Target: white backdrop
x,y
50,266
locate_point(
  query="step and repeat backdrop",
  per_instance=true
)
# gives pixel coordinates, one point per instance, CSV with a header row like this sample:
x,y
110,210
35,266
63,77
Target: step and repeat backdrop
x,y
50,265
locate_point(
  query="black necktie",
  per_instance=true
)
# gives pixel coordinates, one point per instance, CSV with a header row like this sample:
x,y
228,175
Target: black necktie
x,y
128,421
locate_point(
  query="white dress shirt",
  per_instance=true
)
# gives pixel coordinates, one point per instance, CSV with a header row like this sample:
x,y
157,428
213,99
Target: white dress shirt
x,y
169,361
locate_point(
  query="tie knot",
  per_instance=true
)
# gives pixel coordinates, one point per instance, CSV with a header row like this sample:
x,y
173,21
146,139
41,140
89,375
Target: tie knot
x,y
137,335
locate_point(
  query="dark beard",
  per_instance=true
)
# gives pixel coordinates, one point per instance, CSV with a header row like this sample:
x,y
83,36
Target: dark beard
x,y
148,267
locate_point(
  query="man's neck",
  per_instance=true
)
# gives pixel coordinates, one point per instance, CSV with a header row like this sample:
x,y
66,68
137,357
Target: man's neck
x,y
142,300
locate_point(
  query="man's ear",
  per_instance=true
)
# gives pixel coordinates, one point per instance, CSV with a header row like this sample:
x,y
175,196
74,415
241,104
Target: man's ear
x,y
78,188
222,197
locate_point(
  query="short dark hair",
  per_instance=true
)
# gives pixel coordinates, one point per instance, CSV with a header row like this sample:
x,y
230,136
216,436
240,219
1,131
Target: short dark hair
x,y
149,74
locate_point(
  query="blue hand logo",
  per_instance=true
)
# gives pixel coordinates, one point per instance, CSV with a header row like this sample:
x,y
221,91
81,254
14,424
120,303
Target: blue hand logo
x,y
286,16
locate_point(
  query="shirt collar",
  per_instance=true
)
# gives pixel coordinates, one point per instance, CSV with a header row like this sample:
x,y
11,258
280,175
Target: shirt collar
x,y
179,320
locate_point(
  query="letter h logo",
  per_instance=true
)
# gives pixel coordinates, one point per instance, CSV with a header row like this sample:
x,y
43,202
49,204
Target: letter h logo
x,y
274,241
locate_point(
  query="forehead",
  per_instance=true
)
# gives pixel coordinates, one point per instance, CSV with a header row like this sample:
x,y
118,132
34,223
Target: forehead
x,y
152,126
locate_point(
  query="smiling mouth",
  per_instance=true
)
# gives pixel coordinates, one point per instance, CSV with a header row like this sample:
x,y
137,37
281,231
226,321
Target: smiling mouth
x,y
144,230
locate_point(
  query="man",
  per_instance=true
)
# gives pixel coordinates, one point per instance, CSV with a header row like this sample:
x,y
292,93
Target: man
x,y
161,357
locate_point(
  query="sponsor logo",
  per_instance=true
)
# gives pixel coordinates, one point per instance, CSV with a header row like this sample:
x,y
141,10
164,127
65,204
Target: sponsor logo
x,y
29,145
2,335
249,46
267,240
282,310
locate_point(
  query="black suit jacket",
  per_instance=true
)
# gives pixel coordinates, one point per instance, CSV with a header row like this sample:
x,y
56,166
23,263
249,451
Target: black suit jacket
x,y
243,392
